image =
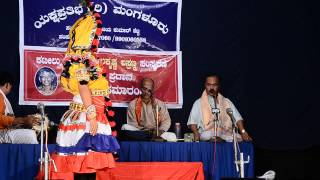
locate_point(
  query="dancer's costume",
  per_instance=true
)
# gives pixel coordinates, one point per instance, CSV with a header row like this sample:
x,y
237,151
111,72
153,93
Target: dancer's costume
x,y
77,150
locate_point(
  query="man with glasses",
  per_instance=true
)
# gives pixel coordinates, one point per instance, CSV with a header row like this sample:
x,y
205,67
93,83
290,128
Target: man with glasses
x,y
143,114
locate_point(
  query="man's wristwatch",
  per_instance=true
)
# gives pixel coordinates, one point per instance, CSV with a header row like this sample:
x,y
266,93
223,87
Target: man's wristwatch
x,y
243,131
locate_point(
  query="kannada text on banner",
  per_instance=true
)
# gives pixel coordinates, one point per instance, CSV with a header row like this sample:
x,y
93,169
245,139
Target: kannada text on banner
x,y
124,71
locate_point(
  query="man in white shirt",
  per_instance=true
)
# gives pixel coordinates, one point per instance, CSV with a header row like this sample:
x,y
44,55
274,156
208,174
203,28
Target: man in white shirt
x,y
213,108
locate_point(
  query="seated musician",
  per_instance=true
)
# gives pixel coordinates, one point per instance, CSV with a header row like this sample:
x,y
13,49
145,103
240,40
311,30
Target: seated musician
x,y
9,124
142,116
201,119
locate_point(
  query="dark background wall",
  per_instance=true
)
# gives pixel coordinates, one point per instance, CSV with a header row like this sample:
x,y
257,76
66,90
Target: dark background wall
x,y
267,53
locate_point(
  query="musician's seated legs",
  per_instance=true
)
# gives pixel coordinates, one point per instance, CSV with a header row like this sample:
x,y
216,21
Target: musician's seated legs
x,y
4,136
129,127
23,136
131,133
210,136
206,135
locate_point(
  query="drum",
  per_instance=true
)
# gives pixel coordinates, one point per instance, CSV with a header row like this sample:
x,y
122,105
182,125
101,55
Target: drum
x,y
37,125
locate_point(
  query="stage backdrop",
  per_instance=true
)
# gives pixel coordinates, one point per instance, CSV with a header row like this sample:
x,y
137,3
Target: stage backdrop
x,y
139,39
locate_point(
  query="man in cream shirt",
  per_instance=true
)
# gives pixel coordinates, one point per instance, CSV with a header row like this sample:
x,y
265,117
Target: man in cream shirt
x,y
201,119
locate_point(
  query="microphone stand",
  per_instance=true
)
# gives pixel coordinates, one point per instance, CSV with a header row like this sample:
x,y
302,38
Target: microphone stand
x,y
44,156
157,120
42,119
157,138
235,143
41,144
215,112
237,162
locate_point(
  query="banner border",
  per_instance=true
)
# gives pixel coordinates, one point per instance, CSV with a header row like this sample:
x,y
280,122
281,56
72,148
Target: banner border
x,y
22,49
63,103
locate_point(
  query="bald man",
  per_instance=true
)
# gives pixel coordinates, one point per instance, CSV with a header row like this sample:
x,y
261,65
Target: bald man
x,y
201,119
142,114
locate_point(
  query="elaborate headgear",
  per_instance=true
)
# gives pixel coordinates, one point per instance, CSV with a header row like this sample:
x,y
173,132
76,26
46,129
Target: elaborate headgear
x,y
83,45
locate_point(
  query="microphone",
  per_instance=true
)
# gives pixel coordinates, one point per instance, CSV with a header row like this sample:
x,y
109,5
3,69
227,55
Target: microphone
x,y
40,107
214,108
230,113
52,124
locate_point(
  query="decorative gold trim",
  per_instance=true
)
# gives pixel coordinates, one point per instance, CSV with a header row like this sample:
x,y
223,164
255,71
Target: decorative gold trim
x,y
77,107
100,93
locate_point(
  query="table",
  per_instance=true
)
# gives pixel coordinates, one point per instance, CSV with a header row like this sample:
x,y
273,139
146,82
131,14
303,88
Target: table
x,y
20,161
190,152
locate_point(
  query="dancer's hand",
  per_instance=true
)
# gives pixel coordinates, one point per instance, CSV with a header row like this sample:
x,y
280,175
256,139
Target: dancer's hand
x,y
93,127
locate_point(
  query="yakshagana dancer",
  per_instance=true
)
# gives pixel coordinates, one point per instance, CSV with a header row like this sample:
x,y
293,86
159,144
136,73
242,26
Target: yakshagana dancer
x,y
84,140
